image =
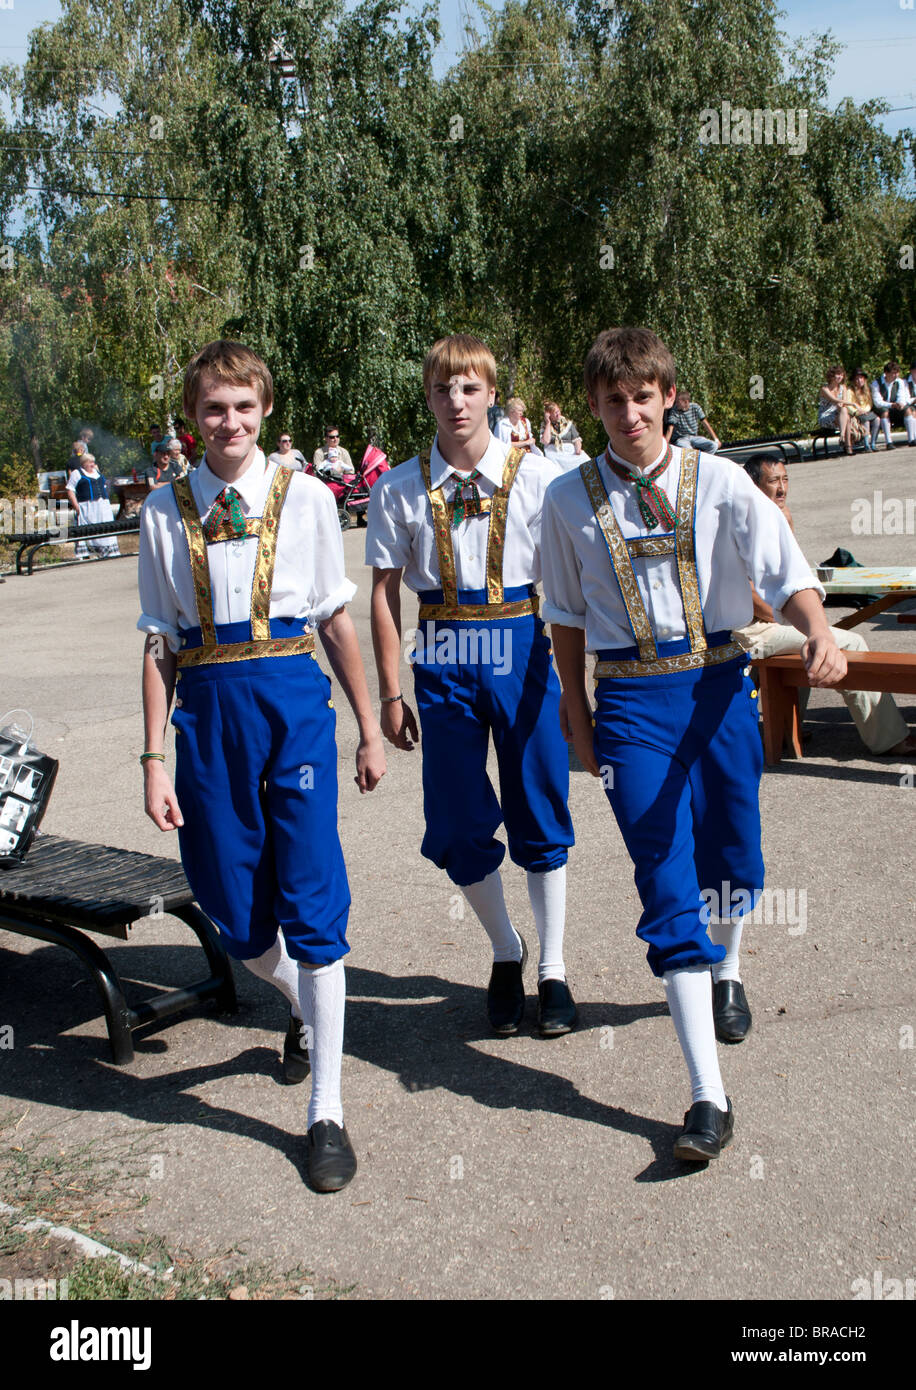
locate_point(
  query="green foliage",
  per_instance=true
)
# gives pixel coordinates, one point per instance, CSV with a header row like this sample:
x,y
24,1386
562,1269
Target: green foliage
x,y
296,175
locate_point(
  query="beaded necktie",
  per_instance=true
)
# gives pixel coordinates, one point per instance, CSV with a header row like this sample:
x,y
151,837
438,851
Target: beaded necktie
x,y
654,507
227,507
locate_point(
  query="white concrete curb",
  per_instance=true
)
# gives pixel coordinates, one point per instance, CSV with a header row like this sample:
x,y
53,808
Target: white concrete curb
x,y
92,1249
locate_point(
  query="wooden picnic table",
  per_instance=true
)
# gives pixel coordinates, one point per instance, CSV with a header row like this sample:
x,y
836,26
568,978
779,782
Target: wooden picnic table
x,y
781,677
891,585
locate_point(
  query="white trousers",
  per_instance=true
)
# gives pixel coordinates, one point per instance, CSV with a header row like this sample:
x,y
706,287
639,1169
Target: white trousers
x,y
877,718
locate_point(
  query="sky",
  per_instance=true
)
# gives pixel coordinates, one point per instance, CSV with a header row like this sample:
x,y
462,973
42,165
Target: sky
x,y
877,60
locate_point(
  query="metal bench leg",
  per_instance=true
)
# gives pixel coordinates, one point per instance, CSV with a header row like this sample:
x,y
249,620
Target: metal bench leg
x,y
118,1016
220,967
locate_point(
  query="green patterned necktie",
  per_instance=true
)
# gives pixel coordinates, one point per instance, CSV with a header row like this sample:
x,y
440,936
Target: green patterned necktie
x,y
465,505
227,507
654,506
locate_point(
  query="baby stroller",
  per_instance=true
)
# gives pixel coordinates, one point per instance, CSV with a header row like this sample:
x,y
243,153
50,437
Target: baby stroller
x,y
351,492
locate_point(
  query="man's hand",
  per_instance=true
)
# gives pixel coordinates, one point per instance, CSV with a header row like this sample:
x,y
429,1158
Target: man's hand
x,y
577,728
161,803
370,763
399,725
824,662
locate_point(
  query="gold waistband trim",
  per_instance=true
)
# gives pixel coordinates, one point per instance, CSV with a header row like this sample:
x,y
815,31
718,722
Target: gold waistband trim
x,y
667,665
477,612
219,654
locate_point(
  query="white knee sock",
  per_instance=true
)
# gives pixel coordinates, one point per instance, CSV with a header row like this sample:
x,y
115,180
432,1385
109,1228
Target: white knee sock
x,y
910,423
727,934
486,898
886,426
690,1001
323,997
547,892
276,967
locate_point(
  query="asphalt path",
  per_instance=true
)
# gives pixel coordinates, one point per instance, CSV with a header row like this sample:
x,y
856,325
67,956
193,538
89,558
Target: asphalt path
x,y
513,1168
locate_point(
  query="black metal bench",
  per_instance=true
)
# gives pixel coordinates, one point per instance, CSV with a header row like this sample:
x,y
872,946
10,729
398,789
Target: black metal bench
x,y
780,442
824,435
64,885
33,541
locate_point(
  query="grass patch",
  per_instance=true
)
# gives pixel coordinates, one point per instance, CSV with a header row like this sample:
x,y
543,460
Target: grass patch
x,y
83,1188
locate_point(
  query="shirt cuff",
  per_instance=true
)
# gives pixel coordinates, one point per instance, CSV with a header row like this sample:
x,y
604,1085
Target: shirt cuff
x,y
336,599
551,614
787,592
156,625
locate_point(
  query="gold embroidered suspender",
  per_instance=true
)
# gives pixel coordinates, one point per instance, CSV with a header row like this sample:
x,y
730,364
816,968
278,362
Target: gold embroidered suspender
x,y
266,529
620,559
681,546
686,559
498,508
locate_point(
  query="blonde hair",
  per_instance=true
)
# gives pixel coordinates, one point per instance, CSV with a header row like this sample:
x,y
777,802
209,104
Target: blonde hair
x,y
517,402
456,355
230,362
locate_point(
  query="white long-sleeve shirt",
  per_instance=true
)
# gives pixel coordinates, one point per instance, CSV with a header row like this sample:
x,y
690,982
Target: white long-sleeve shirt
x,y
308,581
739,535
400,531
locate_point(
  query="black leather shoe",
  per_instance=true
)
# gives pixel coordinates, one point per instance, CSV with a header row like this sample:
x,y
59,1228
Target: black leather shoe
x,y
707,1130
506,994
331,1160
730,1012
556,1009
296,1064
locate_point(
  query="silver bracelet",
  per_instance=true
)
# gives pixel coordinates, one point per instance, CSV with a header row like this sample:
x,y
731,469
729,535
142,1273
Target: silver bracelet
x,y
390,699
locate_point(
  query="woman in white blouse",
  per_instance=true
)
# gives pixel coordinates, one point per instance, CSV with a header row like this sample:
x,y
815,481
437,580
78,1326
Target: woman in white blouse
x,y
514,429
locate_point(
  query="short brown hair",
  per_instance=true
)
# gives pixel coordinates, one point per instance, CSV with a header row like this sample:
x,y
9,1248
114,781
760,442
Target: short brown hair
x,y
629,355
231,362
455,355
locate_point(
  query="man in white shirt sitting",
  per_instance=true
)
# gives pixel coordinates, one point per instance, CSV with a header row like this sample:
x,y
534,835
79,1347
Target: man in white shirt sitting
x,y
893,404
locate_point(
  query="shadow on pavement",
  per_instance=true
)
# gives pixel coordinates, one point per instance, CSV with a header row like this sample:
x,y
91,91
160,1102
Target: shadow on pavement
x,y
421,1028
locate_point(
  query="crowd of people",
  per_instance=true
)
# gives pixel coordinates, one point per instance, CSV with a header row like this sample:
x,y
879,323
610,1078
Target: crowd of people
x,y
858,410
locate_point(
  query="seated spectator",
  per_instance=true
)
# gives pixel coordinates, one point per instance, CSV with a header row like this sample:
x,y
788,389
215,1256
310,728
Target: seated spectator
x,y
559,436
78,452
87,491
495,413
833,412
859,400
166,468
683,421
514,429
880,724
176,455
332,461
157,438
892,403
187,441
286,455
